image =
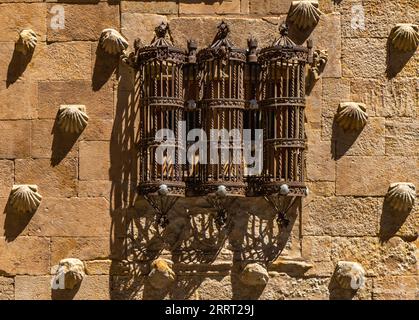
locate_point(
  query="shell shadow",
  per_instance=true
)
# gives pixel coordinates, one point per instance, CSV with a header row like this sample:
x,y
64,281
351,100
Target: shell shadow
x,y
15,222
341,140
105,66
62,143
17,66
391,221
396,60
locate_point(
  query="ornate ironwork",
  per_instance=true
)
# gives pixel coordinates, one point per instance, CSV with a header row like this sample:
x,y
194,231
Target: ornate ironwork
x,y
222,87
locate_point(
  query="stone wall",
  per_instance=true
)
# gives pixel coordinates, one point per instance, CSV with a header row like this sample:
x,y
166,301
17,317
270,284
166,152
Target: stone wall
x,y
89,209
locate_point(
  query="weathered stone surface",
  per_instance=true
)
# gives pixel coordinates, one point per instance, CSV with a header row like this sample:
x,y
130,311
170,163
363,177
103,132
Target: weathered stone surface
x,y
6,177
19,101
372,175
314,103
16,139
320,188
90,248
99,104
395,288
292,267
94,160
269,6
369,141
342,216
395,98
55,181
25,255
60,61
146,6
131,29
98,130
7,290
96,267
402,138
323,169
395,257
202,7
363,57
84,22
46,144
95,188
33,288
53,218
204,30
375,13
39,288
316,248
18,16
334,92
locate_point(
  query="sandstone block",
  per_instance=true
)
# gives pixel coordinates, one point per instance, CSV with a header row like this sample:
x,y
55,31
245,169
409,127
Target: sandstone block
x,y
323,168
17,16
57,181
94,160
99,104
25,255
131,29
83,22
341,216
16,139
90,248
395,288
19,101
201,7
145,6
6,177
52,218
372,175
316,248
401,138
7,290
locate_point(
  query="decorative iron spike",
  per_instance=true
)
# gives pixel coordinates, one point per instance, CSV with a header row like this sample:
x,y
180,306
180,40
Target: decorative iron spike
x,y
192,47
252,43
161,30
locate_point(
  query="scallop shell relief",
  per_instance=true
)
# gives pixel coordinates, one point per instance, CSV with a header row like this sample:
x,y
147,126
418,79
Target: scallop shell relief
x,y
405,37
27,41
401,196
352,115
25,198
112,41
72,118
161,274
304,14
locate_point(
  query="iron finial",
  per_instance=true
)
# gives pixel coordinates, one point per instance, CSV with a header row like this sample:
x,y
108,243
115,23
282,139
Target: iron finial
x,y
161,29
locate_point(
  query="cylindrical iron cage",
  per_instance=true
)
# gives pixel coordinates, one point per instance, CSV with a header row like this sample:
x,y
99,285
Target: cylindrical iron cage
x,y
222,104
282,103
160,69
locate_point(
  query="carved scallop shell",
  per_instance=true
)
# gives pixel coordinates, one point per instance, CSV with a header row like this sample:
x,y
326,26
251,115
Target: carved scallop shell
x,y
352,115
401,196
405,36
25,198
350,275
112,41
72,118
161,274
304,14
27,41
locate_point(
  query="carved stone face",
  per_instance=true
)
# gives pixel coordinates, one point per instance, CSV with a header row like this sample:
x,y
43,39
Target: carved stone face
x,y
72,270
349,275
254,274
161,274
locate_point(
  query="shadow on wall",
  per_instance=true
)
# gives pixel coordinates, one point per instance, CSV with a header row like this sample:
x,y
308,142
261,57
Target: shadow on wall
x,y
17,66
391,222
341,140
15,222
105,66
396,59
